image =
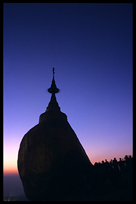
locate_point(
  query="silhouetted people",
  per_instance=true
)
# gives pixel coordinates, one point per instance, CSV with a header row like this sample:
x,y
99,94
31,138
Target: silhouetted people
x,y
113,179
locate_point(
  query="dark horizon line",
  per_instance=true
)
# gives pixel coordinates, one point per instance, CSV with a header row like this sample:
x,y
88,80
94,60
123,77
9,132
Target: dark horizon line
x,y
103,161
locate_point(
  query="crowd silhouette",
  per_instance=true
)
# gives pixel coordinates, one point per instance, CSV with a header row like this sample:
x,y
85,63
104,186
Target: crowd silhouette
x,y
111,180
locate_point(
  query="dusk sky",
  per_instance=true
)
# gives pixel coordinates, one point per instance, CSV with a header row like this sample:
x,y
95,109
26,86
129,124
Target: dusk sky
x,y
91,47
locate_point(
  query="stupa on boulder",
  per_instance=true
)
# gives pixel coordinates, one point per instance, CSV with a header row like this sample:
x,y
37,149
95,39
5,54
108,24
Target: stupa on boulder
x,y
52,163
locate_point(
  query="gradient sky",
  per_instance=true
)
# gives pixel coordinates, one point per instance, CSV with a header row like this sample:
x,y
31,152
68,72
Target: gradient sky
x,y
91,48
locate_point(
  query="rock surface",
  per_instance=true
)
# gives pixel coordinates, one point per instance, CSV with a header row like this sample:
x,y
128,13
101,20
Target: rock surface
x,y
52,163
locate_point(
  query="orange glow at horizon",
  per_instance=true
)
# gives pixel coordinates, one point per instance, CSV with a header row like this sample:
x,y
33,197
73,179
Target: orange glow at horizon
x,y
10,159
10,168
10,171
94,155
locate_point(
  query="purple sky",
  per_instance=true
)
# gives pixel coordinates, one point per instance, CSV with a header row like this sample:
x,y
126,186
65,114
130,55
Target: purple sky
x,y
91,48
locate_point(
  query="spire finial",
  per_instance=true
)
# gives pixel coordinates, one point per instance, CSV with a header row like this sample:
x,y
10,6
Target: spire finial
x,y
53,71
53,89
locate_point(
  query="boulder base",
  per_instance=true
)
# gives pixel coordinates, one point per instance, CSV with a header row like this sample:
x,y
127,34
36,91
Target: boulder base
x,y
52,163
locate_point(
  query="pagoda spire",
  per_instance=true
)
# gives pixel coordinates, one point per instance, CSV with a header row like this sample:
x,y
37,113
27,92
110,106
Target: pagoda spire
x,y
53,89
53,105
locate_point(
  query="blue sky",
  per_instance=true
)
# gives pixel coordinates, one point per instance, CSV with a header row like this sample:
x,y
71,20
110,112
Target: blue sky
x,y
91,48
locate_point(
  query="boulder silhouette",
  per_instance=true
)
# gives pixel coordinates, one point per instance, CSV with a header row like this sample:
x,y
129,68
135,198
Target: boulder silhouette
x,y
52,163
